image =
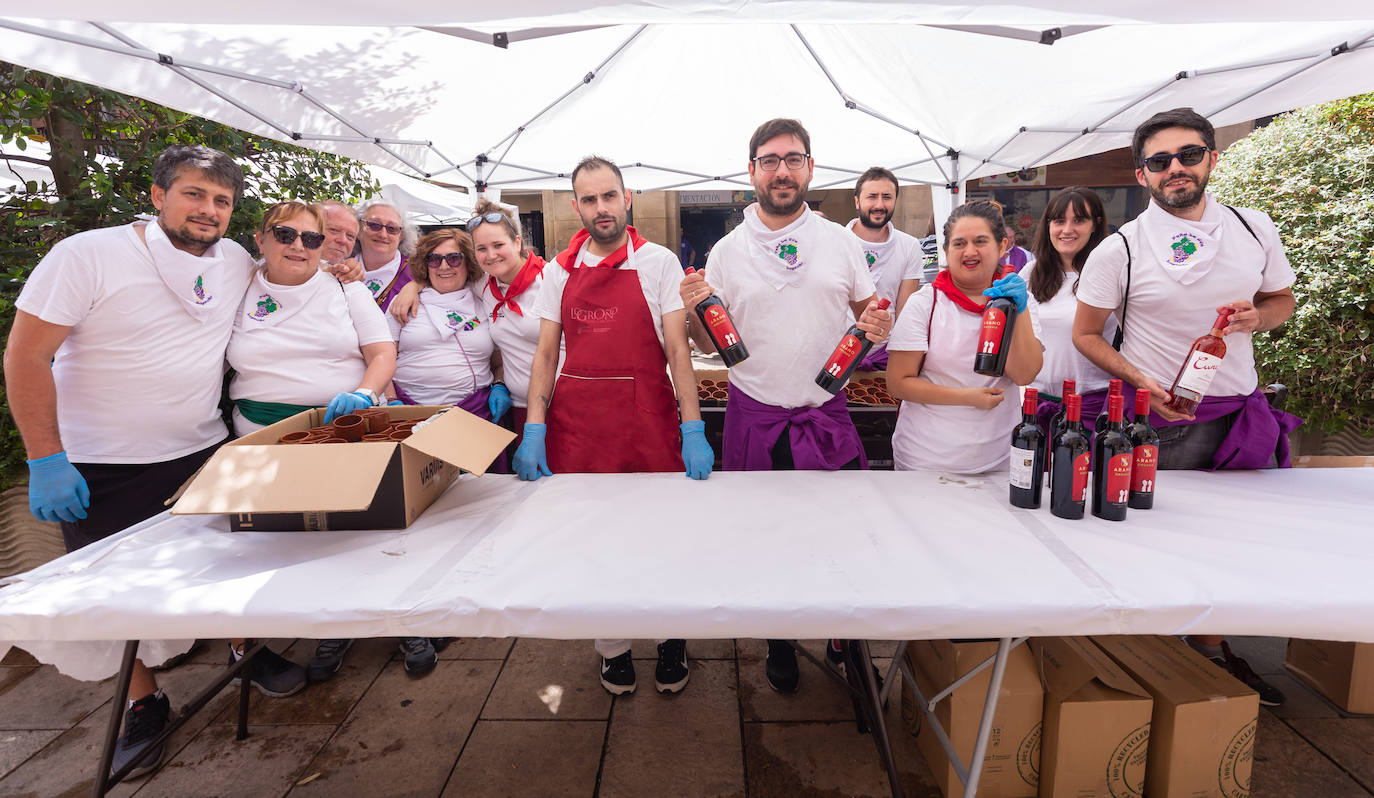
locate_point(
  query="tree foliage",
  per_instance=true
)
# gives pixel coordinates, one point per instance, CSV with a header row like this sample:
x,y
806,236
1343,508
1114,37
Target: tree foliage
x,y
1312,171
101,149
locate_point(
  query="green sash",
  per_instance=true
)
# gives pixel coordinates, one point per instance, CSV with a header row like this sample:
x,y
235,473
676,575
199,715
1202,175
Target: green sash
x,y
266,413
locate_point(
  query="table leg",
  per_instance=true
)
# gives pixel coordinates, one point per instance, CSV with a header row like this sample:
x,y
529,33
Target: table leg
x,y
859,660
245,683
980,748
121,697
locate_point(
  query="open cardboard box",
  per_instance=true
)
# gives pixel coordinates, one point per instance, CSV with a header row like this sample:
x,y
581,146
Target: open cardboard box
x,y
1343,672
263,485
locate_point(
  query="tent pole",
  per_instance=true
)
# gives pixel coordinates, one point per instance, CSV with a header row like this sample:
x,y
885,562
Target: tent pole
x,y
1340,49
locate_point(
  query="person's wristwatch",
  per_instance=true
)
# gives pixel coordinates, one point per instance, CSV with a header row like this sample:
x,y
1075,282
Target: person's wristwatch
x,y
371,396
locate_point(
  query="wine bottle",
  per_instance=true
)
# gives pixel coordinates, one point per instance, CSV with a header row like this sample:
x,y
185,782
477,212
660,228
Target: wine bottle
x,y
1027,456
1113,389
721,328
1111,466
994,342
1144,454
1069,479
842,362
1057,423
1199,367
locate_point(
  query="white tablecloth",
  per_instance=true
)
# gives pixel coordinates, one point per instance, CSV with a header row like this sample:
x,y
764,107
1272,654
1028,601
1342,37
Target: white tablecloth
x,y
877,555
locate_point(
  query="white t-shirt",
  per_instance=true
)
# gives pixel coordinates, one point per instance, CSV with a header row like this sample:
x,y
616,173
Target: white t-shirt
x,y
380,279
1164,316
892,261
790,327
300,344
659,272
517,335
1063,361
956,438
130,337
436,367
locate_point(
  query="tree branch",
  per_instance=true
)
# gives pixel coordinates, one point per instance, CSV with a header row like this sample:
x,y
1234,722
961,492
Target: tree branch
x,y
26,159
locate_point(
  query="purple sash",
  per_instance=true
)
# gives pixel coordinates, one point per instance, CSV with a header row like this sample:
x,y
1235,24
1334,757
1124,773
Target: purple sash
x,y
875,360
475,402
823,438
402,277
1259,432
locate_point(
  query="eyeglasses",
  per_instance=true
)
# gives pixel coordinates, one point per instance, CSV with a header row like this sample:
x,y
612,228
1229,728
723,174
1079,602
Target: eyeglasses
x,y
286,236
1188,156
493,217
378,227
454,259
794,160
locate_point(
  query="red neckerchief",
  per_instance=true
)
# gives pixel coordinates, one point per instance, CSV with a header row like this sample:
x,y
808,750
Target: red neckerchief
x,y
945,283
534,267
568,257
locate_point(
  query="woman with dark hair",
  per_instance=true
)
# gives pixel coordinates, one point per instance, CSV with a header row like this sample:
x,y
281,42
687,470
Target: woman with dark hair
x,y
1073,224
953,419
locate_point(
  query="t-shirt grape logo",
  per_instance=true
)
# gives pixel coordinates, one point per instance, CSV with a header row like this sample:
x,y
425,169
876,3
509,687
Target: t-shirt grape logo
x,y
457,322
199,291
266,307
871,257
375,286
787,250
1184,248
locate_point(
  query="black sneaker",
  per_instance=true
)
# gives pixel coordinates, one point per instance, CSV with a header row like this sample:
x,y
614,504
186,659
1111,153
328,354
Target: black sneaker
x,y
1269,695
329,657
618,674
781,667
273,675
671,674
142,722
419,655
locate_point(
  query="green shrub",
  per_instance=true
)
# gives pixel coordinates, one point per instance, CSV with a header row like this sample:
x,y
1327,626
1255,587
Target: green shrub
x,y
1312,171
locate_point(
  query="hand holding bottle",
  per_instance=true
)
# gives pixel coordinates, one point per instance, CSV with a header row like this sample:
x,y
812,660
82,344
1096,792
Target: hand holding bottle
x,y
1012,287
1158,399
694,289
1244,317
876,321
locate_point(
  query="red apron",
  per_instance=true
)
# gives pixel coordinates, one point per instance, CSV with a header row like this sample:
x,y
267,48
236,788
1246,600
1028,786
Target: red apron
x,y
613,408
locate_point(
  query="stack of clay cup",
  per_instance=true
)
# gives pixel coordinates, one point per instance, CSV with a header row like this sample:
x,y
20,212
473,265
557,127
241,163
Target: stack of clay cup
x,y
371,425
712,390
869,391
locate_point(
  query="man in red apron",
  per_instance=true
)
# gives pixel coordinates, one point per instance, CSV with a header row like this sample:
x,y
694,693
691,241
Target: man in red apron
x,y
614,302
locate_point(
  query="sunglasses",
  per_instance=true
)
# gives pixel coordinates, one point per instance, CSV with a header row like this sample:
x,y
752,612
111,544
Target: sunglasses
x,y
378,227
476,221
286,236
454,259
1188,156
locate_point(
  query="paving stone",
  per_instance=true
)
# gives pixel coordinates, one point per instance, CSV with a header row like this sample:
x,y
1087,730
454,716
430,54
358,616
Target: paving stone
x,y
1285,766
405,735
696,649
811,760
1300,701
818,699
17,746
324,702
267,763
546,679
1348,741
550,759
686,744
478,648
48,700
1265,654
9,677
66,766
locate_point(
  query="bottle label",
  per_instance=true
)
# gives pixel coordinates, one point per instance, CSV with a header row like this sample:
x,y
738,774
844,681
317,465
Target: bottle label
x,y
1146,459
1118,479
1080,477
1198,374
720,327
1022,467
990,339
844,356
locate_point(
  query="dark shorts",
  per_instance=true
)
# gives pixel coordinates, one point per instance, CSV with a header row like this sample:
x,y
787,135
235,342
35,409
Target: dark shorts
x,y
123,495
1192,446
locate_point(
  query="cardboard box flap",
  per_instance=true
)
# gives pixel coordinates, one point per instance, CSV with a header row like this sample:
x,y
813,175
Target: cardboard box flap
x,y
1068,663
278,479
1170,666
459,438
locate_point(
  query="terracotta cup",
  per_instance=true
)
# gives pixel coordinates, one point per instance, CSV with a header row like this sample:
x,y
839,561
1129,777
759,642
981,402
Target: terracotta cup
x,y
350,427
400,434
294,437
377,436
376,419
335,439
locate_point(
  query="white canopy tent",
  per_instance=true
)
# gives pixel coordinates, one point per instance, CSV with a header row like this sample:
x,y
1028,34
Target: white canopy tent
x,y
513,96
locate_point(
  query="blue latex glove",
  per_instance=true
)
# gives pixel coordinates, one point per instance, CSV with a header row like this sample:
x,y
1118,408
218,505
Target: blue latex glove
x,y
696,452
395,403
530,462
499,402
346,403
1012,287
57,491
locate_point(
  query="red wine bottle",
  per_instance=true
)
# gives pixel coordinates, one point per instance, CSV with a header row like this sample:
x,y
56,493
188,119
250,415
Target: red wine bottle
x,y
721,328
1069,479
1198,369
842,362
1057,423
1113,389
1145,454
1027,456
1112,455
994,342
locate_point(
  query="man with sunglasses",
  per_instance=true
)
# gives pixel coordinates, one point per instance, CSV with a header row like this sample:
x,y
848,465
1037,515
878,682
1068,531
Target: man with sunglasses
x,y
1167,275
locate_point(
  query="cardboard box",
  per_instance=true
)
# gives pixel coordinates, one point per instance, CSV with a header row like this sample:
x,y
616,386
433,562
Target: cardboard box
x,y
265,486
1097,722
1202,729
1011,767
1343,672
